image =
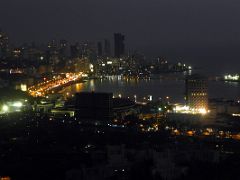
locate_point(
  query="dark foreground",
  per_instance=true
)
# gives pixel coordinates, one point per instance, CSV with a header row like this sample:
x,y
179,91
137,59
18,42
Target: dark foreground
x,y
38,147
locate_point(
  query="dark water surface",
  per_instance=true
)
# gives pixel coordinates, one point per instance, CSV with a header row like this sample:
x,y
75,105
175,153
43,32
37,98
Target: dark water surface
x,y
158,88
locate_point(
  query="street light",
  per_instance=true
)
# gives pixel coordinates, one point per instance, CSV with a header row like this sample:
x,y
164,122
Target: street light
x,y
5,108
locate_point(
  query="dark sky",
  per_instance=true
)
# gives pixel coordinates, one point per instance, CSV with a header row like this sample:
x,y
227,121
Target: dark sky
x,y
201,31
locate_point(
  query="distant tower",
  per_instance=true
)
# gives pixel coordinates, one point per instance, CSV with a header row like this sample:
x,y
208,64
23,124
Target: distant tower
x,y
107,48
197,92
52,45
63,48
119,45
75,51
4,45
99,49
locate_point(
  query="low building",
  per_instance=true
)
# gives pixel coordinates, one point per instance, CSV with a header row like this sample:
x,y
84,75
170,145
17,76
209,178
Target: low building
x,y
94,106
222,106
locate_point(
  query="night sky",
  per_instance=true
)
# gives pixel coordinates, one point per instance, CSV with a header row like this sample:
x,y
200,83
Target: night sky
x,y
203,32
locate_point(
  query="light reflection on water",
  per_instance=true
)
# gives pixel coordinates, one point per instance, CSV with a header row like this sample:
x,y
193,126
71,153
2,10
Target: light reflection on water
x,y
158,88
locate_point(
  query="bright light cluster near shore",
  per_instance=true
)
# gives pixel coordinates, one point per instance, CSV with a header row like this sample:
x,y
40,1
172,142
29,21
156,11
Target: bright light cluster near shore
x,y
230,77
183,109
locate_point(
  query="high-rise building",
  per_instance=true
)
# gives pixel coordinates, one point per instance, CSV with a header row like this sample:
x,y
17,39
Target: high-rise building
x,y
75,51
63,48
52,45
107,48
197,92
119,46
4,44
99,49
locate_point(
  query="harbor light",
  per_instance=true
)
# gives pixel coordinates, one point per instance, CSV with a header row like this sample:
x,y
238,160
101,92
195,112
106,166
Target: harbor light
x,y
17,104
230,77
91,67
135,98
150,98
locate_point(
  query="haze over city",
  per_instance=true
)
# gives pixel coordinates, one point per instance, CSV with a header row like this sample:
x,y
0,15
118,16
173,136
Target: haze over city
x,y
202,32
119,89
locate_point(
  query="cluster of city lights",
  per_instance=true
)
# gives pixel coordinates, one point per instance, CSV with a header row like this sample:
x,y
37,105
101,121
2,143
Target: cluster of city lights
x,y
48,86
235,77
183,109
204,132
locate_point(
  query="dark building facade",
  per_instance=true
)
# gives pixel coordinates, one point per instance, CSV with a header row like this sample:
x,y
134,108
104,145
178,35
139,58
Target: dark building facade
x,y
119,46
197,92
94,106
4,45
75,51
63,48
99,49
107,48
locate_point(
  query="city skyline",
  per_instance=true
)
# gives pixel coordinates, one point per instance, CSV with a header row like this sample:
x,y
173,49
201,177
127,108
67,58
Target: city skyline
x,y
109,50
119,89
200,31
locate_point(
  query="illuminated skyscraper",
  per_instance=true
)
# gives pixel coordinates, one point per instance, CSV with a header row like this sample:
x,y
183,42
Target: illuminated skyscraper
x,y
119,46
197,92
